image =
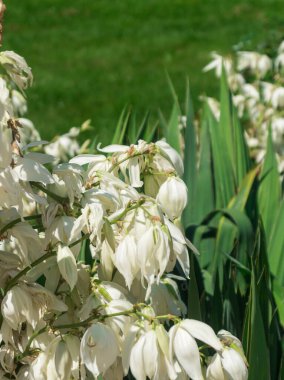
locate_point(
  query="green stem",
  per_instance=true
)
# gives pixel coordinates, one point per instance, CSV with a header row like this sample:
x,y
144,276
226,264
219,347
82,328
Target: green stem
x,y
125,159
26,352
16,221
50,193
93,318
125,211
15,279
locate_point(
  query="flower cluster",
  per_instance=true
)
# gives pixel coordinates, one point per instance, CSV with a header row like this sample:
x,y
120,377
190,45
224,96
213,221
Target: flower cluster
x,y
87,248
257,84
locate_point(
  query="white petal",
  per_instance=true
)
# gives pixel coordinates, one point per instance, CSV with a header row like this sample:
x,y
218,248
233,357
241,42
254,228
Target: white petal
x,y
202,331
115,148
134,172
67,265
215,370
29,170
172,155
186,351
126,259
234,365
136,359
83,159
127,346
99,348
150,353
62,361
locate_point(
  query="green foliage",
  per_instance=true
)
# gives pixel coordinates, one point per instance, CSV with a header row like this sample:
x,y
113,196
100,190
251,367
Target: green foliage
x,y
235,218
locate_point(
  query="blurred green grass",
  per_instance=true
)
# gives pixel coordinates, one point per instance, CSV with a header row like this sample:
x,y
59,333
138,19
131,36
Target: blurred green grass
x,y
91,57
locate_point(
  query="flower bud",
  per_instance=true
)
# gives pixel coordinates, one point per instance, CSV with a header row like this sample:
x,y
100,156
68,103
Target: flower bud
x,y
172,197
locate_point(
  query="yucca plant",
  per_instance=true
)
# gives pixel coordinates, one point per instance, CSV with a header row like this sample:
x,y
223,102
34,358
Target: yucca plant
x,y
235,218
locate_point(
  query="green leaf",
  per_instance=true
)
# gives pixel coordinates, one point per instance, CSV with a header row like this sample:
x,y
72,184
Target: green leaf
x,y
241,152
240,230
256,331
121,126
278,292
221,162
276,246
173,133
193,303
270,188
257,348
226,126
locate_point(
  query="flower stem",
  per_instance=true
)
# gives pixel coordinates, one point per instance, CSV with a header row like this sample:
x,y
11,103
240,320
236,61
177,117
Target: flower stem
x,y
16,221
26,351
125,159
127,209
49,254
50,193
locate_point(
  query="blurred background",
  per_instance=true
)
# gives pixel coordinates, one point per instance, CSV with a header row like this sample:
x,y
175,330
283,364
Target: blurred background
x,y
92,57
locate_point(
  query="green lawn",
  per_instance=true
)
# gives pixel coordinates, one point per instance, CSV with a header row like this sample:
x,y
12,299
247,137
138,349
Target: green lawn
x,y
91,57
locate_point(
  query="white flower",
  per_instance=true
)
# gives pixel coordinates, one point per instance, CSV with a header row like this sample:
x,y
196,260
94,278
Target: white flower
x,y
172,197
27,244
91,221
63,230
264,65
150,357
281,47
54,363
11,193
227,366
99,348
172,155
67,265
17,68
258,64
63,147
28,303
277,98
279,62
72,175
165,298
217,64
239,102
184,347
235,81
29,135
250,91
126,259
153,253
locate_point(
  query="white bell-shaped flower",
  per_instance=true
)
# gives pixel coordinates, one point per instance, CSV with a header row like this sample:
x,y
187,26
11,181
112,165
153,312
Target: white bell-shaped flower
x,y
172,197
153,253
67,265
184,347
126,259
149,357
229,365
99,348
172,155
